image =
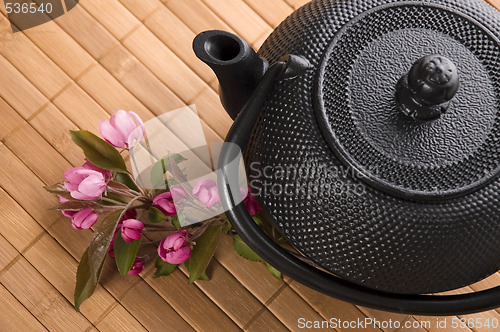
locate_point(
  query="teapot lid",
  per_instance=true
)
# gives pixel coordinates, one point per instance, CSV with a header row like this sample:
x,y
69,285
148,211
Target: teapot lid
x,y
407,94
385,156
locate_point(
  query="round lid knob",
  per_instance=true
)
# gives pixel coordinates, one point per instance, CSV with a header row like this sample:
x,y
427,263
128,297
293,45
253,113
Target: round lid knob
x,y
425,92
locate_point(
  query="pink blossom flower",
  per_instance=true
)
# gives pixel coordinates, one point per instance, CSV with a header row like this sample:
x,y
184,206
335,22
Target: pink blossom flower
x,y
129,214
84,219
84,184
123,130
251,203
131,230
105,173
206,191
178,193
165,203
175,249
66,213
137,267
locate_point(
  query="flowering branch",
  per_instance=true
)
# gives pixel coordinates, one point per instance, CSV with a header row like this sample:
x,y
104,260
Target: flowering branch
x,y
103,185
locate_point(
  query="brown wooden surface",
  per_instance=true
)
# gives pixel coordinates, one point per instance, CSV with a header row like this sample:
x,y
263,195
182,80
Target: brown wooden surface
x,y
107,55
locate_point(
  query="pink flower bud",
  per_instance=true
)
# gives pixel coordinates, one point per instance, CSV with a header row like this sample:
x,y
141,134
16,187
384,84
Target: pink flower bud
x,y
129,214
84,184
175,249
131,230
84,219
123,130
105,173
178,193
206,191
165,203
251,203
67,213
137,267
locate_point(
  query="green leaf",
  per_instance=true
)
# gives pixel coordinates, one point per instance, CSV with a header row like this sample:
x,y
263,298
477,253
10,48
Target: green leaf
x,y
176,222
203,252
244,250
125,179
85,284
163,268
159,169
203,276
90,267
258,221
198,232
155,215
273,271
115,197
283,240
227,224
158,174
98,151
227,227
125,253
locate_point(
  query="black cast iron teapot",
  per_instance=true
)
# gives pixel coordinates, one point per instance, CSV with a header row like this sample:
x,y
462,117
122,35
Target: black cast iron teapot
x,y
377,124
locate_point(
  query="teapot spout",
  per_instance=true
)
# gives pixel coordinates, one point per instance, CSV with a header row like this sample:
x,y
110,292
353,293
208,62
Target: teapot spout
x,y
237,66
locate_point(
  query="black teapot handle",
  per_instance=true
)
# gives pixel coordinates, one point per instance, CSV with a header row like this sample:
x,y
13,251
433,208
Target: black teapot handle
x,y
297,269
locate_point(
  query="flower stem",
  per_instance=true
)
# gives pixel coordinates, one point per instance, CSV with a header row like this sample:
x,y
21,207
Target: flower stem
x,y
122,192
106,209
105,199
156,228
137,185
134,192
